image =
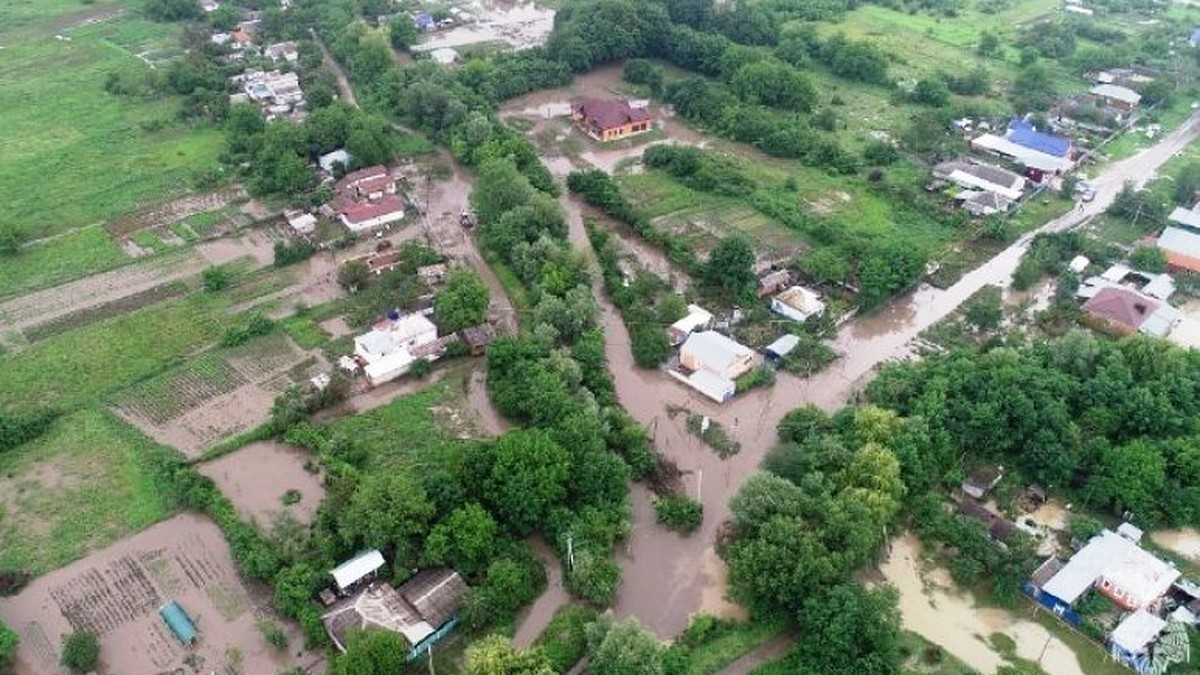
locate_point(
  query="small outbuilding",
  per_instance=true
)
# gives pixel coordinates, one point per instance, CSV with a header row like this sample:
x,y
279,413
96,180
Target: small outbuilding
x,y
476,338
798,304
981,481
779,349
181,625
357,569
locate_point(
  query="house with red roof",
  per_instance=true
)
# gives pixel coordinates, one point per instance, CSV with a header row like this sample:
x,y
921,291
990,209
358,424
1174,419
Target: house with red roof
x,y
1123,311
367,215
610,119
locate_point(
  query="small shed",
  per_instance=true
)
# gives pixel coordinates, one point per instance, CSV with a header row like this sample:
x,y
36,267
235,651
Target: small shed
x,y
777,350
360,567
476,338
179,622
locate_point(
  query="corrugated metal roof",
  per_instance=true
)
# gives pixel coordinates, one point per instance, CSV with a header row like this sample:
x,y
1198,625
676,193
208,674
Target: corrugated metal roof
x,y
1136,631
1023,133
1117,93
1184,216
712,385
783,346
357,567
1026,156
1179,240
714,350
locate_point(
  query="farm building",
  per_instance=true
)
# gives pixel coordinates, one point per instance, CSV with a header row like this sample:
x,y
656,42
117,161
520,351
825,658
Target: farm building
x,y
798,304
710,362
1181,246
609,119
1116,96
980,176
361,217
697,318
393,345
423,610
362,567
1122,311
1040,153
301,222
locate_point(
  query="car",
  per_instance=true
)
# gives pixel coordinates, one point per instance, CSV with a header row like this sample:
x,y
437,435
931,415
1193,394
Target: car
x,y
1088,195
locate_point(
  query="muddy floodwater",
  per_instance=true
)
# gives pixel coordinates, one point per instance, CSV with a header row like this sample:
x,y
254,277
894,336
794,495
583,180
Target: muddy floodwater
x,y
930,607
116,594
517,24
1185,542
256,477
534,620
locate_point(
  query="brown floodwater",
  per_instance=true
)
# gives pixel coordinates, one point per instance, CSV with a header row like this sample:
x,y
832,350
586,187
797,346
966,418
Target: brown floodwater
x,y
535,619
116,594
518,24
1185,541
255,478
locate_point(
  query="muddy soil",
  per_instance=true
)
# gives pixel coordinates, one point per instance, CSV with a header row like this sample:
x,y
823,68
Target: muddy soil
x,y
175,210
951,620
256,477
116,594
1185,542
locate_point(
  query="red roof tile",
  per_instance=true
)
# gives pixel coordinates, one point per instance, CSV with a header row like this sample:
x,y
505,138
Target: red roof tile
x,y
609,113
361,212
1121,306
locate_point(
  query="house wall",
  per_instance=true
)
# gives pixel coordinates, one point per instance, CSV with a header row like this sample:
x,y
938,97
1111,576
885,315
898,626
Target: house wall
x,y
1182,263
372,223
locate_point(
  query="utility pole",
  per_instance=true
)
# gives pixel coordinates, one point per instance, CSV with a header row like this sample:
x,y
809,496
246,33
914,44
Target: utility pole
x,y
699,483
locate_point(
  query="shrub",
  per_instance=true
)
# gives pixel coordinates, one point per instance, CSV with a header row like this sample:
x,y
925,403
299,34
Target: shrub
x,y
679,513
290,497
250,327
80,651
216,279
273,635
288,252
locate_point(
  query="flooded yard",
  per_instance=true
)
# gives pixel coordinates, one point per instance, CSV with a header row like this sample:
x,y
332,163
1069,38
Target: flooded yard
x,y
256,478
931,607
517,24
1185,542
116,594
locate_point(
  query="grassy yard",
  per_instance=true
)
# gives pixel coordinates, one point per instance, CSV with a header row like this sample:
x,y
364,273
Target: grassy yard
x,y
86,483
88,364
74,155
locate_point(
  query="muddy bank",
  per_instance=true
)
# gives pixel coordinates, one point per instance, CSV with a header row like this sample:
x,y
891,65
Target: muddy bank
x,y
116,594
256,478
932,608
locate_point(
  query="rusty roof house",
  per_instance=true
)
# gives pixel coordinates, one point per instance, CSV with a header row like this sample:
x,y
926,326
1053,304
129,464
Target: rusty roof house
x,y
610,120
423,610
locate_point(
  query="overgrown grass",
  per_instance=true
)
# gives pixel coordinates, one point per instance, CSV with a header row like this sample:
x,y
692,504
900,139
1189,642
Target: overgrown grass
x,y
91,363
73,155
922,657
563,639
86,483
404,432
726,643
71,256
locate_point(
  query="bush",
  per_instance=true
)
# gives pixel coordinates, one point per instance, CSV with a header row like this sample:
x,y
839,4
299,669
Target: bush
x,y
250,327
80,651
216,279
564,641
273,635
762,376
679,513
289,252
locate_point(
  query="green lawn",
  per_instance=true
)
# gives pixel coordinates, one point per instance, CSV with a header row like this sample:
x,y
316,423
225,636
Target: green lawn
x,y
86,483
86,365
73,155
71,256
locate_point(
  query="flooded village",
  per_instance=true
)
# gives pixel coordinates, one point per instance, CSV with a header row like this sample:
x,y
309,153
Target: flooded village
x,y
315,427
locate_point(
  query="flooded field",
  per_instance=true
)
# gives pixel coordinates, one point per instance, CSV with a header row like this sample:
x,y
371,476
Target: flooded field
x,y
116,594
931,607
256,478
1185,542
516,24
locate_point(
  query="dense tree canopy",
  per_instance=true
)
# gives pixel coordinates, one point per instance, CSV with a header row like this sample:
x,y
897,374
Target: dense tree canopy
x,y
495,655
462,302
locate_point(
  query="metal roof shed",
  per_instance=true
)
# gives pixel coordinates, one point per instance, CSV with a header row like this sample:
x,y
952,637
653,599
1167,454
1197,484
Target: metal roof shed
x,y
179,622
1137,631
783,346
355,569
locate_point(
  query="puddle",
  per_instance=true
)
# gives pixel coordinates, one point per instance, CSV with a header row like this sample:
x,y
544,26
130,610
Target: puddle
x,y
949,618
256,477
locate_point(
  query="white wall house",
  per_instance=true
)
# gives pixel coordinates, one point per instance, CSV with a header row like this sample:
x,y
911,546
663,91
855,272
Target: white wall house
x,y
798,304
387,350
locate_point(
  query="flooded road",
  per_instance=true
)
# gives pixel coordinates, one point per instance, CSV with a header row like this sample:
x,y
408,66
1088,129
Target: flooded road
x,y
931,607
538,616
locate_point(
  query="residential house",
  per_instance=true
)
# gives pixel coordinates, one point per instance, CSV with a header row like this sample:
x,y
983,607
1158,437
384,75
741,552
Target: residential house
x,y
696,319
1131,641
370,215
983,203
710,362
982,481
372,182
1116,567
393,345
997,526
1042,154
772,282
1185,217
352,574
979,176
476,338
423,610
1122,311
609,119
282,51
1181,246
1116,96
275,91
798,304
444,56
1157,286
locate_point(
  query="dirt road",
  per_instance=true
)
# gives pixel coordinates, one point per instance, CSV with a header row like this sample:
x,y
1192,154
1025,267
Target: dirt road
x,y
343,82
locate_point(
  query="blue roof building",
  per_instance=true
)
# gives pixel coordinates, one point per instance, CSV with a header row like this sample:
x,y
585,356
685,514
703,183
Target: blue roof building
x,y
179,622
1026,135
1194,40
424,21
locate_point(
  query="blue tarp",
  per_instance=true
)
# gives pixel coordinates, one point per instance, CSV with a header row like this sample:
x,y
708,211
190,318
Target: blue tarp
x,y
1023,133
179,622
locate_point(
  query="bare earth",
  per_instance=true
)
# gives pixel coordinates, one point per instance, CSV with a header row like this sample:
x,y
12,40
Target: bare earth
x,y
256,477
116,593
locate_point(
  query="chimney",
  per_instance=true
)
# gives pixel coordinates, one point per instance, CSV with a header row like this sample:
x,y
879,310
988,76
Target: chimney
x,y
1140,307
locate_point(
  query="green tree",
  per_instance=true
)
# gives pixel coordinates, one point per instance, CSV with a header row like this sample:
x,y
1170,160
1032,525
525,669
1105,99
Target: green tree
x,y
1187,185
402,31
849,629
466,540
624,648
171,10
1148,259
376,652
354,275
8,648
730,265
499,187
508,586
495,655
989,44
528,478
985,309
462,302
12,237
216,278
1130,477
388,510
80,651
932,91
763,496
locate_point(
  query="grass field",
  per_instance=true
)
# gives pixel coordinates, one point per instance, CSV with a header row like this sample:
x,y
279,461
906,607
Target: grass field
x,y
88,482
73,255
73,155
91,363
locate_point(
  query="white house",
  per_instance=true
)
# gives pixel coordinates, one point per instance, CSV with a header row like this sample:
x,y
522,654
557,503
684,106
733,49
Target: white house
x,y
369,215
301,222
798,304
710,362
697,317
387,350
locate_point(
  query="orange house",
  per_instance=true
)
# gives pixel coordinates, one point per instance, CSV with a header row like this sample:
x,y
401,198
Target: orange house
x,y
610,120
